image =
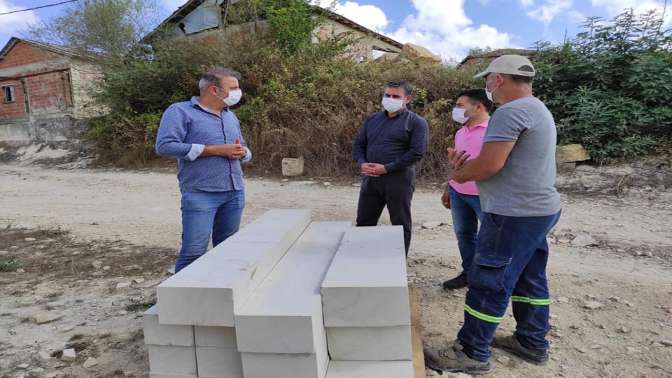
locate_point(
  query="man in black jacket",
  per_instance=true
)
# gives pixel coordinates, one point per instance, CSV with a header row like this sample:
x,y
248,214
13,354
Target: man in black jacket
x,y
387,147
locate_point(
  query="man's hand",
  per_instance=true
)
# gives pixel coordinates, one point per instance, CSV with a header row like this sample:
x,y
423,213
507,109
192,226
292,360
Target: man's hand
x,y
230,151
373,169
445,199
457,159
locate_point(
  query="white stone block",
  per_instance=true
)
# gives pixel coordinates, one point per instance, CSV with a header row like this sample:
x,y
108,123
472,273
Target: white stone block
x,y
164,375
158,334
218,362
284,315
220,337
370,343
366,285
370,369
172,359
259,365
207,292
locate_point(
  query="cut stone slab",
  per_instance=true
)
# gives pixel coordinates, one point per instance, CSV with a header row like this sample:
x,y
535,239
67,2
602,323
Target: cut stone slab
x,y
571,153
207,292
366,285
166,375
284,315
69,355
220,337
167,335
219,362
174,360
259,365
370,369
370,343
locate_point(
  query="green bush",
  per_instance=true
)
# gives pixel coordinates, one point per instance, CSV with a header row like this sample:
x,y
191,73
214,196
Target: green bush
x,y
610,88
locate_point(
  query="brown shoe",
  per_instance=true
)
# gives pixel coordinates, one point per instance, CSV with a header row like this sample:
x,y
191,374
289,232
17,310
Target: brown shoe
x,y
454,360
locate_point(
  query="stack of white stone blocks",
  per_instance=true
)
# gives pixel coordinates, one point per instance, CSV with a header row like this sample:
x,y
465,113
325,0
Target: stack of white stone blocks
x,y
366,305
287,298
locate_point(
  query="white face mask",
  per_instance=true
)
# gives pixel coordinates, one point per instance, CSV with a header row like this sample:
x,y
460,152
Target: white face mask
x,y
234,97
392,105
458,115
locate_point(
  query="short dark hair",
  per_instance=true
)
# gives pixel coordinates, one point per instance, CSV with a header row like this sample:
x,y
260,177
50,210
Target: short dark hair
x,y
477,95
522,79
400,84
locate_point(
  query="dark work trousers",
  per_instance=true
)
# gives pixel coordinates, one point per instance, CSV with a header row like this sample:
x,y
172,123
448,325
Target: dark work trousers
x,y
394,190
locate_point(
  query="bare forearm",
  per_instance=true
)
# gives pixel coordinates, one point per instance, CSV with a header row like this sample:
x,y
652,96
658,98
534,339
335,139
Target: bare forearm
x,y
475,170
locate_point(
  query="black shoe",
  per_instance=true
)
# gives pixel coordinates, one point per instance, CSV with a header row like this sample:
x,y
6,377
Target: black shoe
x,y
456,283
453,360
513,346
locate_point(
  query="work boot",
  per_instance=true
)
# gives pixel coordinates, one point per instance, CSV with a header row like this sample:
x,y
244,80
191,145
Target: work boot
x,y
456,283
454,360
513,346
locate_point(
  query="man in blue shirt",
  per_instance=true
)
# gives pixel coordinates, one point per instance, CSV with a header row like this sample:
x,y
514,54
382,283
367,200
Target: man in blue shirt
x,y
386,148
205,138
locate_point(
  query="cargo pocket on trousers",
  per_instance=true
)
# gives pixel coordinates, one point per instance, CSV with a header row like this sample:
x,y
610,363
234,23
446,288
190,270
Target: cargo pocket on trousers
x,y
487,272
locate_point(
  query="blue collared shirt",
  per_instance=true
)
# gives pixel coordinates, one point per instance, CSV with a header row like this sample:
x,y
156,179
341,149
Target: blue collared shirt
x,y
186,127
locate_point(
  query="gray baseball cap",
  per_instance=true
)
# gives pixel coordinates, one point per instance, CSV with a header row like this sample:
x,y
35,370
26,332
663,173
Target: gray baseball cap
x,y
510,64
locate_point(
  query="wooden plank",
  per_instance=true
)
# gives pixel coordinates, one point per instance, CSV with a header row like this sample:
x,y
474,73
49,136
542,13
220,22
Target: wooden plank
x,y
416,335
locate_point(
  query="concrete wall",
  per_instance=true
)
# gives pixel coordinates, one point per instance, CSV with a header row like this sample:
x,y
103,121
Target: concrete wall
x,y
53,93
362,49
47,129
85,79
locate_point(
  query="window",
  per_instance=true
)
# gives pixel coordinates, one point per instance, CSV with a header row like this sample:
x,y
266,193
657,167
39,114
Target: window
x,y
8,93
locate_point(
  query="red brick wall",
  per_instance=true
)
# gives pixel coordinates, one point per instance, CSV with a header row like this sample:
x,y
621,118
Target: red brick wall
x,y
47,93
13,109
23,53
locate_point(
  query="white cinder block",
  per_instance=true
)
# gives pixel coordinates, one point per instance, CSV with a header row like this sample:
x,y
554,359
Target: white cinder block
x,y
366,285
256,365
284,315
370,343
370,369
176,360
218,362
206,292
158,334
220,337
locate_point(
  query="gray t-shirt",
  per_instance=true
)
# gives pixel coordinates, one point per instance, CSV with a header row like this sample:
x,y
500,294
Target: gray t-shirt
x,y
525,187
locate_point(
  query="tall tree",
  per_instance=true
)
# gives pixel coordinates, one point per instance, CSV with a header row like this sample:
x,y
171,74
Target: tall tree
x,y
107,27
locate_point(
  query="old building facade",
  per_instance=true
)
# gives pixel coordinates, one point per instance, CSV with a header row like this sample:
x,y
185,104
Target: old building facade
x,y
45,90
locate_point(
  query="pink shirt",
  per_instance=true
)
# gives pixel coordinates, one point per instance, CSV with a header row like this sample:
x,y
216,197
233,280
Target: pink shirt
x,y
469,139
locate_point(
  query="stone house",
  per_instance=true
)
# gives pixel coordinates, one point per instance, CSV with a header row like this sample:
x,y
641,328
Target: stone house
x,y
489,56
201,18
45,92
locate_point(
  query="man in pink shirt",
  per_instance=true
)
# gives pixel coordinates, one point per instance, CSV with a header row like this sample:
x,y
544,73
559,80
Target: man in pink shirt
x,y
472,109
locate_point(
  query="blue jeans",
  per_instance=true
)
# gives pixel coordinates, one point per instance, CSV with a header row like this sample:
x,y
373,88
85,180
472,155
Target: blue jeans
x,y
466,212
206,214
510,263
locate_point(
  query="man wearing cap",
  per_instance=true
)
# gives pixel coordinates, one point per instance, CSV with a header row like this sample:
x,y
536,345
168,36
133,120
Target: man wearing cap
x,y
515,175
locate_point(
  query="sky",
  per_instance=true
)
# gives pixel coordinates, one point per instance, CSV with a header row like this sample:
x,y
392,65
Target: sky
x,y
449,28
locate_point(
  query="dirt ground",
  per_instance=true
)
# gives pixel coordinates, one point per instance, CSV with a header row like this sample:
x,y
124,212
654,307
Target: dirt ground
x,y
81,251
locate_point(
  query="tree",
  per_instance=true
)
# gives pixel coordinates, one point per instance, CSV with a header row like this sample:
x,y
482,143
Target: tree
x,y
103,27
